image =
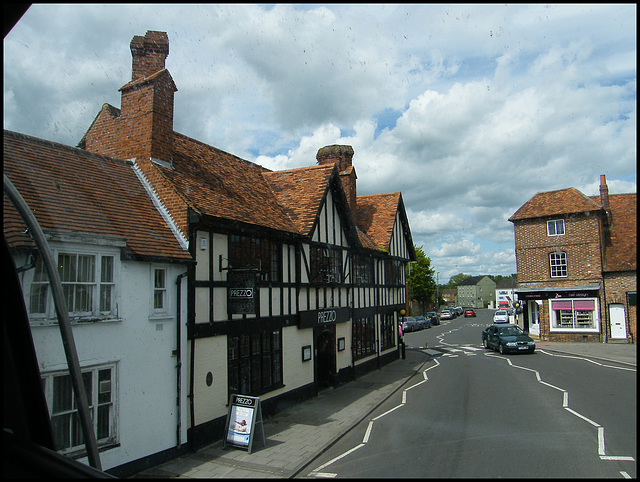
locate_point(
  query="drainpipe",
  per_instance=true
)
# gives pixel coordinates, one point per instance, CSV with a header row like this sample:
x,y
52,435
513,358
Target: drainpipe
x,y
179,359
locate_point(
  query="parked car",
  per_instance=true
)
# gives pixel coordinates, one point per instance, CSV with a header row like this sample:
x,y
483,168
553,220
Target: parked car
x,y
507,338
407,326
410,323
453,311
469,312
432,316
424,321
501,316
459,310
446,315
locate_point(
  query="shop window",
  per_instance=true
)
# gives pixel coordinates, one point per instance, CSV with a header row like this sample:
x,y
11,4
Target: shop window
x,y
255,362
574,315
364,337
387,333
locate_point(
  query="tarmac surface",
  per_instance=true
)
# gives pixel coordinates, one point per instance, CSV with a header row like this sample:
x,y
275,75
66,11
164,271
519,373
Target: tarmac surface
x,y
301,432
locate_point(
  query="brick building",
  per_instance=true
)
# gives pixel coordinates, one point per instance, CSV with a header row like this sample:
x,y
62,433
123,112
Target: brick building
x,y
576,263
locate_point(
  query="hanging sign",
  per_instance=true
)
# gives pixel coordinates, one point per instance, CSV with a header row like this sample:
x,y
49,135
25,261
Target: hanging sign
x,y
242,294
244,420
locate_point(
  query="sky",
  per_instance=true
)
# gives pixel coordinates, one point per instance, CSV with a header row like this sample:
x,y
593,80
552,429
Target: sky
x,y
467,110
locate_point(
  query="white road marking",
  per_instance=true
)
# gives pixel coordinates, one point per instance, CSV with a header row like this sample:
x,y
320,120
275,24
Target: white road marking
x,y
565,405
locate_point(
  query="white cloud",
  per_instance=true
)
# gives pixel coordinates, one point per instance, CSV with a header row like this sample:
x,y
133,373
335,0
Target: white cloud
x,y
481,106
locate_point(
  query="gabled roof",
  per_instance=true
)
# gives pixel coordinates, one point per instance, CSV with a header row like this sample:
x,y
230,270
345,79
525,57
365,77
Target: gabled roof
x,y
555,203
621,254
473,280
300,192
218,184
376,216
77,192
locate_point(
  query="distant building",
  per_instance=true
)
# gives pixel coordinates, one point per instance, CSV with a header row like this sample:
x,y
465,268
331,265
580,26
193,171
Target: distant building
x,y
477,292
576,259
449,296
505,293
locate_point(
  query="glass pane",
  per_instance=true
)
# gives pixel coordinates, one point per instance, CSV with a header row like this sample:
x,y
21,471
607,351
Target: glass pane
x,y
105,298
86,269
77,438
67,267
84,298
60,426
104,386
38,299
106,270
158,299
159,281
40,273
102,429
62,394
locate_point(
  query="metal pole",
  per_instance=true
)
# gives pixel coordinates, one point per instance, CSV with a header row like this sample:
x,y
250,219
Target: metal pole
x,y
63,320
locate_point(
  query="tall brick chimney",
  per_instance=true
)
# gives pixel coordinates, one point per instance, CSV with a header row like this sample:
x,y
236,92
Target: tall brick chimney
x,y
342,156
147,101
604,192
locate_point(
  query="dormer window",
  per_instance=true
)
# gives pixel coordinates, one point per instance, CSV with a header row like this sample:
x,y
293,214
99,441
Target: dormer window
x,y
555,227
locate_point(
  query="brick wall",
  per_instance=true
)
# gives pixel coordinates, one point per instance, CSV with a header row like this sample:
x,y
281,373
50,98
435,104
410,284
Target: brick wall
x,y
581,243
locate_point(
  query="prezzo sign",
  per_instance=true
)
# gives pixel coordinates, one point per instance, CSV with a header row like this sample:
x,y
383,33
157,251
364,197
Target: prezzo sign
x,y
325,316
242,293
244,420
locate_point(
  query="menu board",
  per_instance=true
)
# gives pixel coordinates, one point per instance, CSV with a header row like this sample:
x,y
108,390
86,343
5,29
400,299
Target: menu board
x,y
244,420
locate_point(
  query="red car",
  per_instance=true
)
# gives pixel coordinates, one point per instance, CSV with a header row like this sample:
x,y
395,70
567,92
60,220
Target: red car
x,y
469,313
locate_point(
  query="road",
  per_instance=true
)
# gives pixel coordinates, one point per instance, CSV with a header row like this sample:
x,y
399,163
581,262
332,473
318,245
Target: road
x,y
472,412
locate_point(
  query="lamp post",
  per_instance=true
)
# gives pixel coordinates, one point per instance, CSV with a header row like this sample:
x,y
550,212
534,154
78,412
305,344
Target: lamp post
x,y
401,345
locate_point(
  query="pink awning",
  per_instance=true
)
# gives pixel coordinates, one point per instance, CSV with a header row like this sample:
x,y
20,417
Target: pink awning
x,y
561,304
584,305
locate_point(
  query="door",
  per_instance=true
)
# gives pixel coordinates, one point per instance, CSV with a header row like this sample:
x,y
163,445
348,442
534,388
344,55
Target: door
x,y
326,356
617,322
534,318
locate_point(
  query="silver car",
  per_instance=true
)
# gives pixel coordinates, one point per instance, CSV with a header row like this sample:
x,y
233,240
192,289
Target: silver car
x,y
501,316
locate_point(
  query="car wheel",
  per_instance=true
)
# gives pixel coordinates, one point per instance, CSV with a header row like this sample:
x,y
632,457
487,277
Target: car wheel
x,y
501,349
485,344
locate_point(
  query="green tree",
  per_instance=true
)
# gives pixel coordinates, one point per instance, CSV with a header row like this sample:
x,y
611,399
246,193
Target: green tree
x,y
420,275
456,279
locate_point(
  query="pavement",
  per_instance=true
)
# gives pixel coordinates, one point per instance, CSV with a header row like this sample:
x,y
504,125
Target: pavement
x,y
300,433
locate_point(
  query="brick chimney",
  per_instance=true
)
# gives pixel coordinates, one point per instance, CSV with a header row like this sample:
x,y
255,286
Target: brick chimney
x,y
604,192
342,156
147,101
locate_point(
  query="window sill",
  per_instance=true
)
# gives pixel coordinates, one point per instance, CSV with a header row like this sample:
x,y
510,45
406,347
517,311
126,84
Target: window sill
x,y
161,317
75,321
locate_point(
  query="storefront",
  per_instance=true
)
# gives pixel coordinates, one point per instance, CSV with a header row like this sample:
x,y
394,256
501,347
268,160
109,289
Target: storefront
x,y
562,314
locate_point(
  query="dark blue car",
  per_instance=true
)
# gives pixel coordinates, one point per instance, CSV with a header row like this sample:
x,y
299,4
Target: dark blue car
x,y
507,339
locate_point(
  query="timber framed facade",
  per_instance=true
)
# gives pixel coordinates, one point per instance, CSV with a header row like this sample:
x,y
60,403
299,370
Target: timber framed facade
x,y
296,282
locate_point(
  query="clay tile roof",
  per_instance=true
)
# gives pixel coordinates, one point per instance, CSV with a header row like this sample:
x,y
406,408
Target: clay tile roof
x,y
74,191
555,203
300,192
621,255
376,217
218,184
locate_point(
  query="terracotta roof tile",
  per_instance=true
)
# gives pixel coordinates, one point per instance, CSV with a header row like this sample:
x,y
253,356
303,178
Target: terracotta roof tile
x,y
554,203
75,191
376,216
218,184
300,192
622,254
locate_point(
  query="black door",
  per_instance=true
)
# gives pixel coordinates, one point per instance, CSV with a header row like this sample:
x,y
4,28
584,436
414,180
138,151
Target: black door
x,y
326,356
